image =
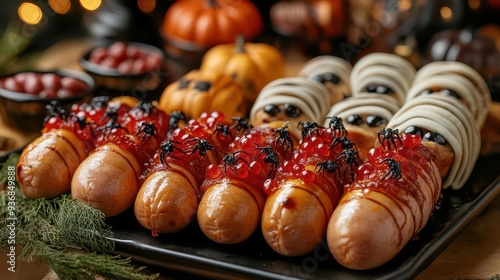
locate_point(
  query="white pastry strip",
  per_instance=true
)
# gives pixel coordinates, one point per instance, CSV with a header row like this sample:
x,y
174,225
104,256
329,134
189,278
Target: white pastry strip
x,y
388,60
327,64
381,76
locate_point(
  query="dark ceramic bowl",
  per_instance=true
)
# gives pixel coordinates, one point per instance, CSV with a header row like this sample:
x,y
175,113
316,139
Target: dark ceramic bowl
x,y
25,112
146,85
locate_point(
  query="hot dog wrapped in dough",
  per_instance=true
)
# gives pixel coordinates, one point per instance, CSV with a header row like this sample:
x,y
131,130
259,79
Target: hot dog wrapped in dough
x,y
168,199
233,192
292,100
331,71
307,189
46,166
363,116
109,178
382,73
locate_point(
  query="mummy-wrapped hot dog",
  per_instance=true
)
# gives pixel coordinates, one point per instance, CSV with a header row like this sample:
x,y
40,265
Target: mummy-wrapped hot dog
x,y
109,178
363,116
331,71
307,189
46,166
168,199
382,73
293,99
233,192
457,80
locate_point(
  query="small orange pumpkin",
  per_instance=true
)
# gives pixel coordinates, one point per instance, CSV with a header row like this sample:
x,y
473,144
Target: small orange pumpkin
x,y
200,91
206,23
252,65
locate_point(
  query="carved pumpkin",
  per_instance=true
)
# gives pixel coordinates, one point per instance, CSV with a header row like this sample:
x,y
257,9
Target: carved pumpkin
x,y
206,23
473,49
252,65
198,92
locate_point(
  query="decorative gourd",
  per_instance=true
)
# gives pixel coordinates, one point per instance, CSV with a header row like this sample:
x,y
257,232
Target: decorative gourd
x,y
471,48
198,92
206,23
252,65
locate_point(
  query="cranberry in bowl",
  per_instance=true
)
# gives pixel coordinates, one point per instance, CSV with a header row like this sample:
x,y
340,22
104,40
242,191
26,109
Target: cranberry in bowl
x,y
25,95
127,68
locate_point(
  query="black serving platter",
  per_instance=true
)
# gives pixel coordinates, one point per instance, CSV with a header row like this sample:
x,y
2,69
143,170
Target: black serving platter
x,y
191,252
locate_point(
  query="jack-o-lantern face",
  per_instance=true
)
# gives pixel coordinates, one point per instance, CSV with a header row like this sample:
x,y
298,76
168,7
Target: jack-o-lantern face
x,y
198,92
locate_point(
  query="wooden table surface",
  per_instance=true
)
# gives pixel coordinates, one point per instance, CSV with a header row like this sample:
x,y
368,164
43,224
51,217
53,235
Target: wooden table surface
x,y
474,254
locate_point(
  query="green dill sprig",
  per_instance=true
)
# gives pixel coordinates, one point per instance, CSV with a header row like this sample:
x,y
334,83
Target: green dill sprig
x,y
68,234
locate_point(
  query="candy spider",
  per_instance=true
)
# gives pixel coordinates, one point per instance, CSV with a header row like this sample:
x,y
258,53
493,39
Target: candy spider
x,y
330,165
201,146
284,137
111,114
345,143
270,157
174,119
348,158
387,136
82,123
145,106
337,126
232,161
224,130
241,125
99,102
54,109
110,126
394,170
308,128
147,130
167,148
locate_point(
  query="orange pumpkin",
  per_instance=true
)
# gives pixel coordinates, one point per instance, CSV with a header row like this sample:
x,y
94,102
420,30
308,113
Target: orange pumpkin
x,y
206,23
198,92
252,65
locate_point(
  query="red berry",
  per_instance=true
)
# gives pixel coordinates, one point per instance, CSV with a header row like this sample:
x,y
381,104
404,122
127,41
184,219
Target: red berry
x,y
213,171
307,176
255,167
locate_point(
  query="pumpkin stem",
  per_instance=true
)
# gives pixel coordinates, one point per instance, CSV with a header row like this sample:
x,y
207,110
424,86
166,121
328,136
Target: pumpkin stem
x,y
240,43
212,3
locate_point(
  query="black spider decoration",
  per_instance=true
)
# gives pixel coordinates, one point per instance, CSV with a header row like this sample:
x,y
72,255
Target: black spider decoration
x,y
167,148
345,143
349,158
82,123
99,102
147,130
54,109
224,130
231,160
201,146
388,138
394,170
241,125
270,157
329,165
284,137
111,125
111,114
337,126
308,128
175,118
145,106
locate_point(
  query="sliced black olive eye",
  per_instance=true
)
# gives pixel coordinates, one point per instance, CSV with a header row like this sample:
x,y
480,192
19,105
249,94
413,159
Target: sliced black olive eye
x,y
292,111
374,121
354,119
203,86
319,78
376,88
414,130
434,137
183,84
425,92
272,109
450,92
327,77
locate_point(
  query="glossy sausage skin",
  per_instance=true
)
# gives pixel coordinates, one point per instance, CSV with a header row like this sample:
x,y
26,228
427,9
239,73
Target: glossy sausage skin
x,y
168,199
46,166
306,192
107,180
390,201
